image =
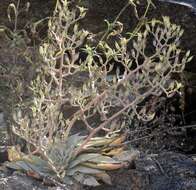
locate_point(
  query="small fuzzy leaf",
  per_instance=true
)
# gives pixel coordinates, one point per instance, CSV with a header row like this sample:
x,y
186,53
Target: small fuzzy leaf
x,y
187,53
11,7
189,59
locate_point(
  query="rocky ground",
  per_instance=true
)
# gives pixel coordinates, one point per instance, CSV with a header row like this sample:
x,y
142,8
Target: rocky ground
x,y
168,154
166,171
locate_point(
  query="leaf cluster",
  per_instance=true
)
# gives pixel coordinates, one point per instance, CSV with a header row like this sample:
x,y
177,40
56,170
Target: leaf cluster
x,y
96,92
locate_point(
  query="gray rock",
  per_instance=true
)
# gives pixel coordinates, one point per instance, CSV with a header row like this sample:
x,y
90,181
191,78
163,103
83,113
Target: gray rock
x,y
167,171
19,181
16,182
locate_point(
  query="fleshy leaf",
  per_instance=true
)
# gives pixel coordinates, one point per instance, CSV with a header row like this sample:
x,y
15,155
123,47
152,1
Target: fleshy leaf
x,y
105,178
83,169
82,158
90,181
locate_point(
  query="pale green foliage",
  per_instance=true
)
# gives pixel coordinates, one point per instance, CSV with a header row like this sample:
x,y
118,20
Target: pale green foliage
x,y
17,66
91,87
61,164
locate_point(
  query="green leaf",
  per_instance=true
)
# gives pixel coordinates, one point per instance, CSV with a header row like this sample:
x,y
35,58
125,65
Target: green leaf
x,y
104,159
84,170
68,180
32,163
18,165
96,158
90,181
74,139
86,179
105,178
82,158
40,166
